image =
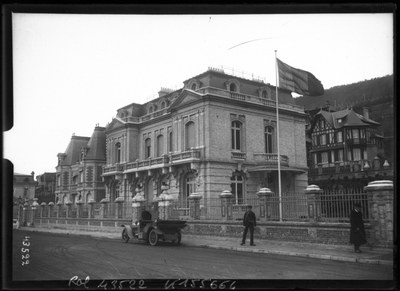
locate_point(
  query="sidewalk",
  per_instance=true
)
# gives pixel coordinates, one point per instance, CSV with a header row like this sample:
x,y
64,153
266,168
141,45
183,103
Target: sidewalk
x,y
382,256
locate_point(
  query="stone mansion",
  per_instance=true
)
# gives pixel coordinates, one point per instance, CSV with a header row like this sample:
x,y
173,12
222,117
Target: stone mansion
x,y
216,133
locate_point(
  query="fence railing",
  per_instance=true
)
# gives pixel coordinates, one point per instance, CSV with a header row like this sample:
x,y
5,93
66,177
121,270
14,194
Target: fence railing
x,y
330,207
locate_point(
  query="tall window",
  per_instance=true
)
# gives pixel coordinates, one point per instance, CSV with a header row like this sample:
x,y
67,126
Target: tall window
x,y
190,187
160,145
323,139
118,152
190,135
171,142
194,87
236,135
339,136
356,154
324,157
147,148
237,188
232,87
340,156
269,130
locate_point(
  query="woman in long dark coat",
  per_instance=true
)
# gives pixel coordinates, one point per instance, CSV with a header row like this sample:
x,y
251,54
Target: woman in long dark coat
x,y
357,231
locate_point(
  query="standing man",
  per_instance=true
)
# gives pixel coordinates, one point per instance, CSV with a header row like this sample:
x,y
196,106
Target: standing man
x,y
249,222
357,231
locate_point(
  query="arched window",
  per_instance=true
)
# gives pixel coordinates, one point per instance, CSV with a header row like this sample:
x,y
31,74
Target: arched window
x,y
190,135
160,145
237,188
269,131
163,105
264,94
236,135
151,109
147,148
194,87
118,152
232,87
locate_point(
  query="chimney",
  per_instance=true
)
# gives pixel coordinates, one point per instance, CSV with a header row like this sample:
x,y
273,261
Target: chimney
x,y
366,112
164,91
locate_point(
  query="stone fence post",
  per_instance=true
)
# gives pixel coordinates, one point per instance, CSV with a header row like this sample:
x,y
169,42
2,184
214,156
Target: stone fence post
x,y
59,205
313,193
79,210
91,203
194,205
50,208
137,207
69,209
264,196
35,205
42,208
380,201
226,204
119,201
104,207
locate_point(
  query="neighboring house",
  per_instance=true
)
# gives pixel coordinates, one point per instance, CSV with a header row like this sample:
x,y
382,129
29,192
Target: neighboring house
x,y
345,150
46,187
24,187
216,133
79,169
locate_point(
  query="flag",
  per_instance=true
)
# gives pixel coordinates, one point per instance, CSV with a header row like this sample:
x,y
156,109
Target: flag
x,y
299,81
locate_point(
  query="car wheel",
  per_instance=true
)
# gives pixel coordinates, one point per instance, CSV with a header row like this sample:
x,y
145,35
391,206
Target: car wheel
x,y
153,238
125,236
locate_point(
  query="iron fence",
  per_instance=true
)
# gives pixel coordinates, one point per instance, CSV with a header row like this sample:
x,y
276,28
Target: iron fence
x,y
331,207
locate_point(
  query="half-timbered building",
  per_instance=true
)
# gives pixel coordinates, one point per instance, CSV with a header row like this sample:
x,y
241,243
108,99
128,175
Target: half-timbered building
x,y
345,146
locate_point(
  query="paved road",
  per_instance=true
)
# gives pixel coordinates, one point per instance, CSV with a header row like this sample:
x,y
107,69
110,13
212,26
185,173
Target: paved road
x,y
60,257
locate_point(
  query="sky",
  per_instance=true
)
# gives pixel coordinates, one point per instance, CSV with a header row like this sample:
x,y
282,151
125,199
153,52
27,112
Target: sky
x,y
73,71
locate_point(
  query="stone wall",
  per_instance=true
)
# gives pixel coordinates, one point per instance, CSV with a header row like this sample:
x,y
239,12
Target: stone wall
x,y
324,233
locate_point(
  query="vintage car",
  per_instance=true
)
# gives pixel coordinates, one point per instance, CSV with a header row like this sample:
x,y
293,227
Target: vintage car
x,y
154,231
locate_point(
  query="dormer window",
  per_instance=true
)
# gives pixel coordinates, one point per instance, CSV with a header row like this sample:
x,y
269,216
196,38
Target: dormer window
x,y
194,87
233,85
339,120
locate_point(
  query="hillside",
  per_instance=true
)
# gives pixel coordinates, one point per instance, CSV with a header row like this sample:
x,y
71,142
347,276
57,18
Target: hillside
x,y
348,95
376,94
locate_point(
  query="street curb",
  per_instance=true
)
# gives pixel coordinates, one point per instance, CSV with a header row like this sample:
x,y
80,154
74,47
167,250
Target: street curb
x,y
238,249
306,255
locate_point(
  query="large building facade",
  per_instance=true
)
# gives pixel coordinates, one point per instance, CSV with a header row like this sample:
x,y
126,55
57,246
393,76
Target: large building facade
x,y
216,133
79,169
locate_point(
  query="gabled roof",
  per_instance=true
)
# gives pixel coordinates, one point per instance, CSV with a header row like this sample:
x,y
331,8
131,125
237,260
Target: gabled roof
x,y
186,96
348,117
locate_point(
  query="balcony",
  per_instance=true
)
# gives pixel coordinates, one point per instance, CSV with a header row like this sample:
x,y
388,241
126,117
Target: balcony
x,y
192,155
238,156
113,170
152,163
271,159
371,167
248,98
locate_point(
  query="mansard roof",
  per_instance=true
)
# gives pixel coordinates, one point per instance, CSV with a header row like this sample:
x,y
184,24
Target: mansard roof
x,y
97,145
73,151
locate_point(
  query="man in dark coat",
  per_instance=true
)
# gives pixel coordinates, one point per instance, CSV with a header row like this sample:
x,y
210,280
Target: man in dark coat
x,y
357,231
249,222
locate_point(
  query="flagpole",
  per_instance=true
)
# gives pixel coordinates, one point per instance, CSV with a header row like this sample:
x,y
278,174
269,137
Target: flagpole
x,y
277,138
